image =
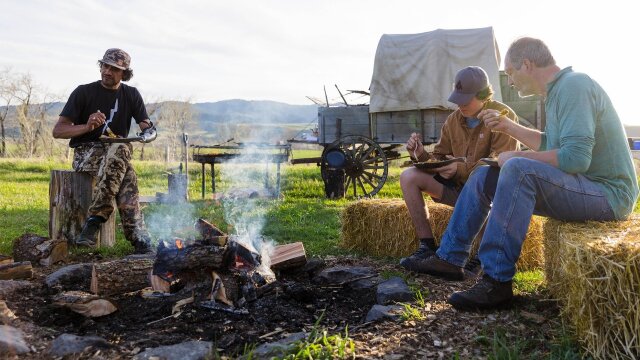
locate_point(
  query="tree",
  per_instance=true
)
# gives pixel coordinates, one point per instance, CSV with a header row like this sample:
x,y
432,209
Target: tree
x,y
174,117
31,115
6,97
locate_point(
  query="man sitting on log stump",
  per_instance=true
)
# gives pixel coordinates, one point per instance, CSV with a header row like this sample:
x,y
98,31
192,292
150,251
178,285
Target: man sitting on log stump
x,y
84,121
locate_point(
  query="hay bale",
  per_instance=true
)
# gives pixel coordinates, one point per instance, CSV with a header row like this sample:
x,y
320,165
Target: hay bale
x,y
383,227
594,270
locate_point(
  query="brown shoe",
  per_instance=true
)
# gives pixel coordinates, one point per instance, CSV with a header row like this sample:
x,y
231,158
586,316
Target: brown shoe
x,y
433,265
485,294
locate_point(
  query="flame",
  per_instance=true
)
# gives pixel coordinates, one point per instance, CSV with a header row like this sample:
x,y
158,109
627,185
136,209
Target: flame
x,y
179,243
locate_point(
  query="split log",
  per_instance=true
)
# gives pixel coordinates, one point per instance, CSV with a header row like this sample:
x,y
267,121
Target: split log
x,y
19,270
207,229
84,303
4,259
120,276
192,256
39,249
288,256
70,195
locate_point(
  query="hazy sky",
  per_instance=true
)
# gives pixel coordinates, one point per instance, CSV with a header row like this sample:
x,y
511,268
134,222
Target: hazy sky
x,y
284,50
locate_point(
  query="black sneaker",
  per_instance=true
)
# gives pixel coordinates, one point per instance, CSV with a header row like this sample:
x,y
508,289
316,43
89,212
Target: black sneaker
x,y
89,234
142,243
423,252
485,294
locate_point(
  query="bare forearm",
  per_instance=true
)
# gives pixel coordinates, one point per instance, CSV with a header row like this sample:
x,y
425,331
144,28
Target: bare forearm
x,y
68,131
530,137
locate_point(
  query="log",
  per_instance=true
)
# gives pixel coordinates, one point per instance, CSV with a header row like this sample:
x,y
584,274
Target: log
x,y
288,256
208,230
71,277
84,303
39,249
193,256
120,276
4,259
19,270
70,196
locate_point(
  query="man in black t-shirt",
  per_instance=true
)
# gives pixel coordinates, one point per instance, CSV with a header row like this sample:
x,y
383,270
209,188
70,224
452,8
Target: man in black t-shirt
x,y
105,108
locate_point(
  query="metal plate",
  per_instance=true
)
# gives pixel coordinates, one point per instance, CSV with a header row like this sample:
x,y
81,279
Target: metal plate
x,y
490,161
437,164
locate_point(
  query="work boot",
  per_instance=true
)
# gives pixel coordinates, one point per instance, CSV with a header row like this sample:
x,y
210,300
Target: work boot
x,y
435,266
142,243
473,268
89,234
485,294
425,250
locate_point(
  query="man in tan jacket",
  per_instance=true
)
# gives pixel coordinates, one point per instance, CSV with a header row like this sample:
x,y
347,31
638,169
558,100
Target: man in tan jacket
x,y
462,135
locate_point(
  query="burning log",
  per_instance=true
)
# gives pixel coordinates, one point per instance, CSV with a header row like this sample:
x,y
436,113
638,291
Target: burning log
x,y
181,258
19,270
38,249
288,256
84,303
121,276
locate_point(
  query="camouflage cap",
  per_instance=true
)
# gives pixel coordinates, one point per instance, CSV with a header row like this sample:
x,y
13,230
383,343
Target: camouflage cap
x,y
117,58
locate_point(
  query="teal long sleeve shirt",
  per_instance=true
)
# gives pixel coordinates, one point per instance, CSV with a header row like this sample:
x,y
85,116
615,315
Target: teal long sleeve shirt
x,y
585,128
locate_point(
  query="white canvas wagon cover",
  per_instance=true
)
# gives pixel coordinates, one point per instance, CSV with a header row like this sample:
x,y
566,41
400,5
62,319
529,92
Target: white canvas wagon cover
x,y
416,71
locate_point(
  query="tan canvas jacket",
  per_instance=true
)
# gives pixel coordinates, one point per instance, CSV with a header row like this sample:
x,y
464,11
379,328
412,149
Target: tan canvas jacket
x,y
458,140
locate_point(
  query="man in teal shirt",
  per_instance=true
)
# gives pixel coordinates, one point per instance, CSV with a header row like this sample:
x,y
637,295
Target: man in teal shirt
x,y
581,169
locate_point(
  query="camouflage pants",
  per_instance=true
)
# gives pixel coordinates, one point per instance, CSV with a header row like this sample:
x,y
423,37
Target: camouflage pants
x,y
110,166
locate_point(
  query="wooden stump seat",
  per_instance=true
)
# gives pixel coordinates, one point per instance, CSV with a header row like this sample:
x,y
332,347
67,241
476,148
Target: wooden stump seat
x,y
70,196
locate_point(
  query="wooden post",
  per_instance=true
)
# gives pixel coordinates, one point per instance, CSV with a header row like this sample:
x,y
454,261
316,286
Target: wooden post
x,y
70,195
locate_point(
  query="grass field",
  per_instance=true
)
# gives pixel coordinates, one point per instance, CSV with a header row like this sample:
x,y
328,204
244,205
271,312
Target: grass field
x,y
303,214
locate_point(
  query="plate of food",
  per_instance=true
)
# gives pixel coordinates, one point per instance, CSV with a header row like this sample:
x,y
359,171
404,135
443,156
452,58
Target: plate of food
x,y
434,164
490,161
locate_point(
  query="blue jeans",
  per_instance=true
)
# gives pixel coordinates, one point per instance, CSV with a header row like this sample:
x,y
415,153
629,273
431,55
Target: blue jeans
x,y
525,187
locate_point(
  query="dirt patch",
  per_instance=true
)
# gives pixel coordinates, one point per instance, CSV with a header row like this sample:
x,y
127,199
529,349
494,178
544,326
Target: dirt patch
x,y
294,304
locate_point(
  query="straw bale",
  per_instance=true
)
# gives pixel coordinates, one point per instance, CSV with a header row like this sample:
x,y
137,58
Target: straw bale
x,y
594,270
382,227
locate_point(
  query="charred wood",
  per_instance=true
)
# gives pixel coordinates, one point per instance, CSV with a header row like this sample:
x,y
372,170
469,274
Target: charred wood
x,y
14,271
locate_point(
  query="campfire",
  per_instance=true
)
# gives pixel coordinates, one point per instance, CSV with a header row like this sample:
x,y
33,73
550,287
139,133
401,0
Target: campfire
x,y
234,270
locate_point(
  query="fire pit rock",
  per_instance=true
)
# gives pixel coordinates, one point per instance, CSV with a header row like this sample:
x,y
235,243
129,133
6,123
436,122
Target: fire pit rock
x,y
190,350
342,275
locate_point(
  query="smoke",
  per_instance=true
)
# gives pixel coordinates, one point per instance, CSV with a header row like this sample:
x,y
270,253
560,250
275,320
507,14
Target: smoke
x,y
244,206
175,220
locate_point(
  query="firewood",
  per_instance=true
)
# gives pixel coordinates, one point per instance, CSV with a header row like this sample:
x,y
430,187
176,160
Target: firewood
x,y
288,256
207,229
13,271
192,256
84,303
39,249
4,259
120,276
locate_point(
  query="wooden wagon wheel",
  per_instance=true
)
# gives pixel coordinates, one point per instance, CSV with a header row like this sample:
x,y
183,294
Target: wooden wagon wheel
x,y
363,162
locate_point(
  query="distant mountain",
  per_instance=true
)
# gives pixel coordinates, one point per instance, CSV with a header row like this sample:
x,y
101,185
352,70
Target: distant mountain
x,y
253,112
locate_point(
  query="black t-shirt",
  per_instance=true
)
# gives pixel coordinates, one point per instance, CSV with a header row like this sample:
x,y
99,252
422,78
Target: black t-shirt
x,y
118,105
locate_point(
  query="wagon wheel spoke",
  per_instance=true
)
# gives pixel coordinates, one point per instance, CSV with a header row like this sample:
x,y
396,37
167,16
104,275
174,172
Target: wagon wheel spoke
x,y
364,164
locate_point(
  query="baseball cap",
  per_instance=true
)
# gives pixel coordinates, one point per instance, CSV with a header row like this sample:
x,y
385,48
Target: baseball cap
x,y
467,83
117,58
